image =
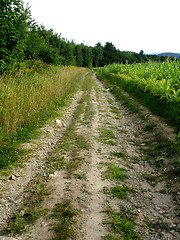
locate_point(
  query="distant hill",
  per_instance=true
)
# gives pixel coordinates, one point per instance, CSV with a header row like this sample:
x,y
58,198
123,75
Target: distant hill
x,y
169,54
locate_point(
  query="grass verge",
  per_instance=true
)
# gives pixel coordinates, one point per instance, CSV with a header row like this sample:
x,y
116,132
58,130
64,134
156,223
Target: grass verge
x,y
27,102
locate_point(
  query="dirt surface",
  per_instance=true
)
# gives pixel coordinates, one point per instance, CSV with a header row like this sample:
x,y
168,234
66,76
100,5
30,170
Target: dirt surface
x,y
148,197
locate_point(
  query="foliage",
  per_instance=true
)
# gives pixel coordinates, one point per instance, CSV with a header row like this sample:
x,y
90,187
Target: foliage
x,y
15,21
109,53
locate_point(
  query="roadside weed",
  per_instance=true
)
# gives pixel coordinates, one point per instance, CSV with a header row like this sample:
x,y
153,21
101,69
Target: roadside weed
x,y
151,179
106,136
115,172
149,127
80,176
119,154
64,214
84,190
121,192
120,221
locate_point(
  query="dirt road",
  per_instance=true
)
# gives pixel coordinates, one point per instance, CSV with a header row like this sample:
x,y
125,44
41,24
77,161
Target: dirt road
x,y
99,183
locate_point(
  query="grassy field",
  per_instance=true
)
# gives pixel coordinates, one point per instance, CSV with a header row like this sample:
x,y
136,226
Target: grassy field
x,y
157,85
27,100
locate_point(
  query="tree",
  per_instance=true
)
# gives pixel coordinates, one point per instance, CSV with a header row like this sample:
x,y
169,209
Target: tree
x,y
97,55
79,55
15,22
87,56
38,46
110,53
141,52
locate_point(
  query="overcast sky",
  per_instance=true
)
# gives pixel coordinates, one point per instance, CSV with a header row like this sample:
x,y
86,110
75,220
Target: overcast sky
x,y
131,25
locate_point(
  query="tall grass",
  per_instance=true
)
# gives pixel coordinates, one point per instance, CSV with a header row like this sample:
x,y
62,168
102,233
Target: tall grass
x,y
156,84
29,99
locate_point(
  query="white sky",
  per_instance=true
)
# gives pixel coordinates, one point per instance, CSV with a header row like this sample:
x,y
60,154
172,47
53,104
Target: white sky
x,y
131,25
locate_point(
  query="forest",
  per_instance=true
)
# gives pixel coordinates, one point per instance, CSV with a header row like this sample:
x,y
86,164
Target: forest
x,y
23,40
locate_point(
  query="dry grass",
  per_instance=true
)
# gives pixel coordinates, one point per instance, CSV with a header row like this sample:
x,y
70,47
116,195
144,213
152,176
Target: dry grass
x,y
28,100
25,99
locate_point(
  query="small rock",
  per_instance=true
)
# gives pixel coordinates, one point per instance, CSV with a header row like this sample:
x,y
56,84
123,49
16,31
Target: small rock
x,y
9,199
157,208
64,124
17,202
67,181
58,122
2,201
165,207
43,224
22,213
12,177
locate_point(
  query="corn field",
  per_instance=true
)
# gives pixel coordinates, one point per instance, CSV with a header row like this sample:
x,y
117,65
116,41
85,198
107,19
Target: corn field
x,y
161,79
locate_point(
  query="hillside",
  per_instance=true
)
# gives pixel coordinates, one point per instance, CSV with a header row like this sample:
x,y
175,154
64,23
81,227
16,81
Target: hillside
x,y
169,54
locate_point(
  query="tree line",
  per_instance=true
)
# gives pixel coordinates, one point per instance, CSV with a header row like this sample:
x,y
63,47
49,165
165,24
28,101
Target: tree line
x,y
22,39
